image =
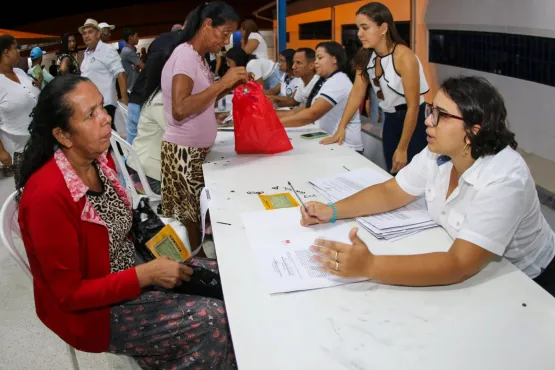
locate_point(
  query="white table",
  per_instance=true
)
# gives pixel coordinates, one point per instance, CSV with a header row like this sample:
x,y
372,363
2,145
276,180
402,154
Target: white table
x,y
479,324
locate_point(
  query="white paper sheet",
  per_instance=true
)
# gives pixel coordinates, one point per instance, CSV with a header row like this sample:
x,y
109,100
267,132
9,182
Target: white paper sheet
x,y
281,247
392,225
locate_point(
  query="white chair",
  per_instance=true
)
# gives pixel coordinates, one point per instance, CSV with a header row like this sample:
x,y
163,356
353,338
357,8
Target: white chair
x,y
120,122
8,219
130,155
123,110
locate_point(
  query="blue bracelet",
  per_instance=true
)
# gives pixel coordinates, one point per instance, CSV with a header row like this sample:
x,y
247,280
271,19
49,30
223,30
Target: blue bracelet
x,y
334,218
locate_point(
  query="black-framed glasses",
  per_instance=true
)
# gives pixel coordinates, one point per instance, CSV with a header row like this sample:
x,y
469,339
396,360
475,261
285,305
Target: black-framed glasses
x,y
437,114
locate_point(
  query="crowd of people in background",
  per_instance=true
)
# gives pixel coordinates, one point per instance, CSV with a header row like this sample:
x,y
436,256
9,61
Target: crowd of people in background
x,y
86,290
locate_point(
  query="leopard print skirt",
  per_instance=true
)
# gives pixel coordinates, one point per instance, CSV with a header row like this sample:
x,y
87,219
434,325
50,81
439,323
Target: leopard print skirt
x,y
182,181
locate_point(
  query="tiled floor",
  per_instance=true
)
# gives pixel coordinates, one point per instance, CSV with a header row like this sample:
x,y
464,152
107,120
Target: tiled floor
x,y
25,343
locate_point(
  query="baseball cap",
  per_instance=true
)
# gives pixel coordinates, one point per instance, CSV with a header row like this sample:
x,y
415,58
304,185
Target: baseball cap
x,y
106,25
89,23
36,53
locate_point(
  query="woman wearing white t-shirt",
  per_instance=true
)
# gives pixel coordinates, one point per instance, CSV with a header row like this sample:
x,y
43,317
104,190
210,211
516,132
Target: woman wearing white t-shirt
x,y
253,42
265,71
477,187
18,97
328,98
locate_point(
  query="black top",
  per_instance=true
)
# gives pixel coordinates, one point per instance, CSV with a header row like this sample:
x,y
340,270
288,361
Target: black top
x,y
159,45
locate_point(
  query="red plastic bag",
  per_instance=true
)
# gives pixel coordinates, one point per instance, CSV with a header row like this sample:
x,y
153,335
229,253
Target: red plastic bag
x,y
256,124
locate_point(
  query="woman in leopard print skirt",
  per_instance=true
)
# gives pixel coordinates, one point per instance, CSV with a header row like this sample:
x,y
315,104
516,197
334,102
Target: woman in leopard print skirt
x,y
189,94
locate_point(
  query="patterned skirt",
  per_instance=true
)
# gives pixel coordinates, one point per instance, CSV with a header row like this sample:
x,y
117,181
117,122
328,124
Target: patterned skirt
x,y
182,181
163,329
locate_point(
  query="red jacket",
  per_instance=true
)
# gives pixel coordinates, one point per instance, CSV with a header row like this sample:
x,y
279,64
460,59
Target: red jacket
x,y
68,249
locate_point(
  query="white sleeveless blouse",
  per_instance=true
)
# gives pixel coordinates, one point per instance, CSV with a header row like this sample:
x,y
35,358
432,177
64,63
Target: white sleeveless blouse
x,y
391,82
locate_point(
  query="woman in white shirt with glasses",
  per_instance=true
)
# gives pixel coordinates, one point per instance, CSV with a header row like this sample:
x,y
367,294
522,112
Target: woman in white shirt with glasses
x,y
477,187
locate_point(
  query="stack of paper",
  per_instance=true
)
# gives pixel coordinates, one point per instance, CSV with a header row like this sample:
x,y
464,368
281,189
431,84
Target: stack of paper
x,y
390,225
282,250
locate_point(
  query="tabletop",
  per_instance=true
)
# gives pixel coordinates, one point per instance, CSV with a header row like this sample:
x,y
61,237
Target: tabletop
x,y
498,319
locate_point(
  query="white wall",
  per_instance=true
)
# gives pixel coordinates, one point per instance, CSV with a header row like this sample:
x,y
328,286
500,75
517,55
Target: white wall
x,y
531,106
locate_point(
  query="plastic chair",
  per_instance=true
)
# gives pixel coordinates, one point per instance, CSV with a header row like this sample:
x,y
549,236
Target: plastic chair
x,y
123,110
130,155
8,219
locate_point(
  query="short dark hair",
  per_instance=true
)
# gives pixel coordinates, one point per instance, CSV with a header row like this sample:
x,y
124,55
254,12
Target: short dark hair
x,y
53,110
6,41
239,56
480,103
335,50
127,33
309,53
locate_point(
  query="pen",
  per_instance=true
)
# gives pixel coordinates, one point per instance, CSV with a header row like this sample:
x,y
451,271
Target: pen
x,y
297,195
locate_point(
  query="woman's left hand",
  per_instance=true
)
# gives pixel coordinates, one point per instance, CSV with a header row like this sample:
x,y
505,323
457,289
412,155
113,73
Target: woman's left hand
x,y
399,160
353,261
337,138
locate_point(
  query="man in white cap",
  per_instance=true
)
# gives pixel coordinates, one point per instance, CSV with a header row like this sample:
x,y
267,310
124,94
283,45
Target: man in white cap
x,y
106,31
36,72
102,65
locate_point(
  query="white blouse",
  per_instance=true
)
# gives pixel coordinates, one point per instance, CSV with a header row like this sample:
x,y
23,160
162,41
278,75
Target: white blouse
x,y
494,206
17,101
391,82
261,50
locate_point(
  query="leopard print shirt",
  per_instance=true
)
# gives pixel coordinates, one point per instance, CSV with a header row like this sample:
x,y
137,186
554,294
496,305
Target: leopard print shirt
x,y
118,220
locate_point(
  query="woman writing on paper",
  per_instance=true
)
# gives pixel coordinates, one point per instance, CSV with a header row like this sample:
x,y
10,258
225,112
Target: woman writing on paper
x,y
398,80
328,98
477,187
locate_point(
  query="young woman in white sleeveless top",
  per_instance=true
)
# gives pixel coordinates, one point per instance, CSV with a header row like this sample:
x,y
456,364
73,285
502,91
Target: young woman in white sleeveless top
x,y
397,77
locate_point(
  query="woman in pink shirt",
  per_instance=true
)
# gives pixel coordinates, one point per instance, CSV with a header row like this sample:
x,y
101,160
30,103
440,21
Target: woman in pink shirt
x,y
189,94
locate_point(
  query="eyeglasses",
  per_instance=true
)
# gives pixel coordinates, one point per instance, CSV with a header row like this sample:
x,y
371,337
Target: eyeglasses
x,y
437,114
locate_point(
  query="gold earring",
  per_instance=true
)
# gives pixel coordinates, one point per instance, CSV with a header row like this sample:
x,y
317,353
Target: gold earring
x,y
465,150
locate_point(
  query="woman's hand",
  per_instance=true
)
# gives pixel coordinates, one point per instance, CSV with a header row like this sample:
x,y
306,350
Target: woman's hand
x,y
6,159
163,272
399,160
338,138
220,117
353,261
234,76
316,213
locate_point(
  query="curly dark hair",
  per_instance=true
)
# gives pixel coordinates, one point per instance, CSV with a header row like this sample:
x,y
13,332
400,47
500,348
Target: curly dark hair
x,y
53,110
480,103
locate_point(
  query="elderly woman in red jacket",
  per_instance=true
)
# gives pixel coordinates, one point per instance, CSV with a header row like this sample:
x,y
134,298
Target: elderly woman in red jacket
x,y
75,220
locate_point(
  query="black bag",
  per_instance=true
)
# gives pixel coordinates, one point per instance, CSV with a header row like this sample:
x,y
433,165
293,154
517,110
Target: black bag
x,y
146,224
